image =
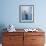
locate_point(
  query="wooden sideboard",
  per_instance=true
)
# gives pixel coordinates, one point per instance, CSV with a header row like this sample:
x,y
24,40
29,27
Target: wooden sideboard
x,y
23,38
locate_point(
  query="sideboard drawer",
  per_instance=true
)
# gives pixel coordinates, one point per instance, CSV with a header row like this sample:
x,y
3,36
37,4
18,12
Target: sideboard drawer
x,y
13,33
37,39
34,33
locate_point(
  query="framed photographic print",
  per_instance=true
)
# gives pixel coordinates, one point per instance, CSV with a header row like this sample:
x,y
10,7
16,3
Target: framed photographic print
x,y
26,13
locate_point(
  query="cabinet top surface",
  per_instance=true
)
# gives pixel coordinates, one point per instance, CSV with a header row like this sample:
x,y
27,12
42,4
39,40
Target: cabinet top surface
x,y
22,30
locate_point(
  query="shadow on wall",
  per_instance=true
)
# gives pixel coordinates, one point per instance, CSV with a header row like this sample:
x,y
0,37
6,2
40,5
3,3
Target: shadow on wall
x,y
2,26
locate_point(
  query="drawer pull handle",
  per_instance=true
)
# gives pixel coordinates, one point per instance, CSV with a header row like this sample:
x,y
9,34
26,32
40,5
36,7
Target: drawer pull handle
x,y
33,39
10,38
